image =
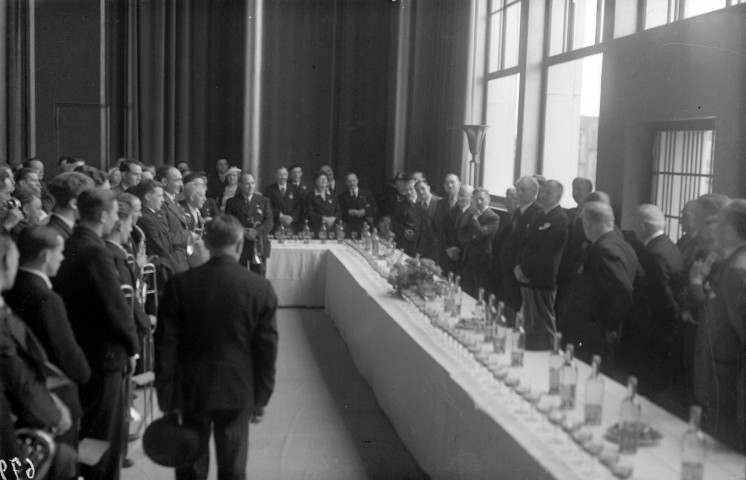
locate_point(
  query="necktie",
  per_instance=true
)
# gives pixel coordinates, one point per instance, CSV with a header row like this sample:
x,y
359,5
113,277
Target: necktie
x,y
282,190
424,206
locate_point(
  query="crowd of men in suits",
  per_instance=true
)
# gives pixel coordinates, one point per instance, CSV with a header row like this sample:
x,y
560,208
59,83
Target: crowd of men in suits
x,y
75,315
672,313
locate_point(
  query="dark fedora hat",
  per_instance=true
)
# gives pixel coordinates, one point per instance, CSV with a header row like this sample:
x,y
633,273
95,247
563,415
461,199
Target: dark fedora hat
x,y
171,444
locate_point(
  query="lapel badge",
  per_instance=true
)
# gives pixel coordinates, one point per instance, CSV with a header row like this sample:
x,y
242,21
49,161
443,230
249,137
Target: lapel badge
x,y
290,196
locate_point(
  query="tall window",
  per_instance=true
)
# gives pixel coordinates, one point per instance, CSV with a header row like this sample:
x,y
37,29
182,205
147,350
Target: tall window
x,y
661,12
502,85
571,121
682,172
575,24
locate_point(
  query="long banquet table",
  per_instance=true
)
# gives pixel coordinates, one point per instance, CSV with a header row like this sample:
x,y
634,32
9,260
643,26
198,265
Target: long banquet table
x,y
447,410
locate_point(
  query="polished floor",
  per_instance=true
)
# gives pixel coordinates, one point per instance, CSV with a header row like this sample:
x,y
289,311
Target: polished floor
x,y
322,422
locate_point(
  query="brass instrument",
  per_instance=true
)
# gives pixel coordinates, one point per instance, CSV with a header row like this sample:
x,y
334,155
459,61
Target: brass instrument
x,y
256,258
147,288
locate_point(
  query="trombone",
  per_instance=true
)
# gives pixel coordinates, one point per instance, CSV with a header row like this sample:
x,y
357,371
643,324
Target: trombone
x,y
256,258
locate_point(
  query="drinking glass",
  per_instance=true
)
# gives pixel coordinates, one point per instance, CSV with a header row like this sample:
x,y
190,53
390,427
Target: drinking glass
x,y
522,389
622,471
354,238
609,457
593,448
512,383
544,406
533,397
580,436
556,418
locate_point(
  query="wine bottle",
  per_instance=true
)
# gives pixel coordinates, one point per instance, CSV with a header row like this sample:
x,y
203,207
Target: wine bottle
x,y
594,393
489,319
693,448
340,233
365,236
281,234
456,308
568,380
501,329
479,318
519,342
555,364
323,233
629,419
448,295
374,243
306,232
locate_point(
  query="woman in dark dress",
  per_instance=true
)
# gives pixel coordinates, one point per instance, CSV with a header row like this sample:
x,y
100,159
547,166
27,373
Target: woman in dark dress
x,y
321,207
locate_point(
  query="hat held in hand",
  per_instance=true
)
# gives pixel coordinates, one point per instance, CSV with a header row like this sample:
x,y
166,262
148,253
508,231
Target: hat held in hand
x,y
171,444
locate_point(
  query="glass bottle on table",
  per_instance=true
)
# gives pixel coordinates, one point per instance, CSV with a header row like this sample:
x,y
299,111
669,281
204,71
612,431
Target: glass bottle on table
x,y
448,294
340,232
479,318
323,233
365,237
555,364
501,329
281,234
374,243
489,319
306,232
693,447
518,346
457,293
629,419
594,393
568,380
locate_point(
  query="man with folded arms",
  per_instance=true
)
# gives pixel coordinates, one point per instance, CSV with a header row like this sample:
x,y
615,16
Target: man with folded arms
x,y
476,232
357,205
286,201
88,283
221,377
425,231
537,266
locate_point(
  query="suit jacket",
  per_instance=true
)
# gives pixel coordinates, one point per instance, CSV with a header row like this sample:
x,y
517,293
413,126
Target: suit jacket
x,y
573,255
178,232
58,224
192,222
540,257
609,274
516,239
402,220
215,187
210,209
22,374
289,204
88,283
157,238
316,208
44,313
663,266
231,363
426,230
127,273
258,211
363,201
476,235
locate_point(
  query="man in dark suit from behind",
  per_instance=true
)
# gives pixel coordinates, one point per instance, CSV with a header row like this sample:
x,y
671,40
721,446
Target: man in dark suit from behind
x,y
43,311
608,280
357,205
286,201
527,188
254,211
219,377
425,225
476,231
537,266
88,283
657,333
65,189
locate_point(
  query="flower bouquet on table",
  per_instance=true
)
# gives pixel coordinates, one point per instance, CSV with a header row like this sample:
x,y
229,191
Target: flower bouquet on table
x,y
420,275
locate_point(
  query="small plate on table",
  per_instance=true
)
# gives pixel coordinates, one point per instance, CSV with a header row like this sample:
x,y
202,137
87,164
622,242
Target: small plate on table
x,y
649,436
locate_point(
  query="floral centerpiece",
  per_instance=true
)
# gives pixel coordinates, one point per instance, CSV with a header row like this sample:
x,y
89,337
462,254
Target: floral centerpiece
x,y
413,273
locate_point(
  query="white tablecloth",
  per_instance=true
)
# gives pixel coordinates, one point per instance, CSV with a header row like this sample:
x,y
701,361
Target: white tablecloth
x,y
298,272
452,424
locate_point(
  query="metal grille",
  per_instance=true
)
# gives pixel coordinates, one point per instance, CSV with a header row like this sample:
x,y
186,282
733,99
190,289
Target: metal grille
x,y
682,172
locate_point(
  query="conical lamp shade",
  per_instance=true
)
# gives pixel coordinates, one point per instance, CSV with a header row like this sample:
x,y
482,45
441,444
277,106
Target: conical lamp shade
x,y
475,135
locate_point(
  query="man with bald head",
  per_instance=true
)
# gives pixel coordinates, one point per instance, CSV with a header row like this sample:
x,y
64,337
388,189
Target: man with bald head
x,y
537,266
607,279
254,211
527,189
657,326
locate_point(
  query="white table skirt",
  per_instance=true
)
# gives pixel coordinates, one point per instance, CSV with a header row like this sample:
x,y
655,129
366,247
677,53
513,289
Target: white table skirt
x,y
451,423
298,272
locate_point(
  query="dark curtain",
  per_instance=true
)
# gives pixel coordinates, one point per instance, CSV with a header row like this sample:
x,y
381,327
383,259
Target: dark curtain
x,y
185,81
14,93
